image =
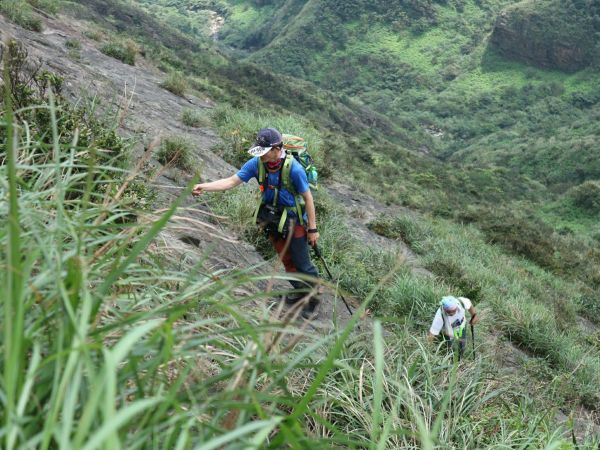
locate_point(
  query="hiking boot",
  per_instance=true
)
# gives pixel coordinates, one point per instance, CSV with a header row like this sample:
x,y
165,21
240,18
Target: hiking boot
x,y
292,299
310,311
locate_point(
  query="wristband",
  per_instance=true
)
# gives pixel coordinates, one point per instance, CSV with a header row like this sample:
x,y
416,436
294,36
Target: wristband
x,y
312,230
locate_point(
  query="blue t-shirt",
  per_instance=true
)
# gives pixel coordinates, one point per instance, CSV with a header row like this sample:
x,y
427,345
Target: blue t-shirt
x,y
297,177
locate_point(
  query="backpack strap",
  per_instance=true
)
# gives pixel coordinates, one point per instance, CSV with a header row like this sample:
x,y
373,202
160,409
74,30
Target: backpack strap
x,y
289,186
262,186
262,176
285,173
286,182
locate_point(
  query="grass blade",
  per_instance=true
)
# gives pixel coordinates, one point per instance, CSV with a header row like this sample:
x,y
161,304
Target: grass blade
x,y
264,427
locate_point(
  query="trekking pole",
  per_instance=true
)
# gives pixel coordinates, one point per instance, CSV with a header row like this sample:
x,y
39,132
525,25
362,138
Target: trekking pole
x,y
320,256
473,338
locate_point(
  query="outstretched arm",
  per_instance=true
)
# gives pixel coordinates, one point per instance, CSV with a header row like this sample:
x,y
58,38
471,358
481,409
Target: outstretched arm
x,y
219,185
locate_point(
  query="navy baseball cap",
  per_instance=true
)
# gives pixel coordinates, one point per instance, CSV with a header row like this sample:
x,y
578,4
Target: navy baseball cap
x,y
266,139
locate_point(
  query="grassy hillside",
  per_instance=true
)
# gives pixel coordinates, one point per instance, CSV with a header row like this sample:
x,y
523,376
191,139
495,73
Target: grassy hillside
x,y
508,134
129,351
430,66
108,342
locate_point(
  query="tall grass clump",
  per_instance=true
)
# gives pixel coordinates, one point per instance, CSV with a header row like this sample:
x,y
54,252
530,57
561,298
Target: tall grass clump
x,y
19,11
122,50
175,83
404,227
194,118
177,151
49,6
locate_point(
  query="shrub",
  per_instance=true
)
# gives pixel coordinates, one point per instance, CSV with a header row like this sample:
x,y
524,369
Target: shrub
x,y
194,118
32,23
176,151
73,49
49,6
20,13
516,232
586,196
123,51
73,43
94,35
175,83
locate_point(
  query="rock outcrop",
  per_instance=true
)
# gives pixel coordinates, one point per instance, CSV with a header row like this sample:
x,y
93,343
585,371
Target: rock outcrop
x,y
539,35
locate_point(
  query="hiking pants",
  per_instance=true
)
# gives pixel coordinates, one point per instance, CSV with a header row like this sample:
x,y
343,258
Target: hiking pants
x,y
297,256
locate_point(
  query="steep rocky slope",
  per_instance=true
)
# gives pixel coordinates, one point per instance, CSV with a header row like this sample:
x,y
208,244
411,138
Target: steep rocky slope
x,y
147,113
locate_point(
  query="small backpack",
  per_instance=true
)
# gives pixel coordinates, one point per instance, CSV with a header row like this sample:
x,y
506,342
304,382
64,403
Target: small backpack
x,y
296,146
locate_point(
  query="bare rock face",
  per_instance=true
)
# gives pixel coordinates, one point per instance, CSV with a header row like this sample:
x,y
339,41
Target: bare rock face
x,y
543,38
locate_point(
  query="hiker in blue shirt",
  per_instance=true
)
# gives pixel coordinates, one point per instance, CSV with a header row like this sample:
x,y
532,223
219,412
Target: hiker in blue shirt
x,y
287,209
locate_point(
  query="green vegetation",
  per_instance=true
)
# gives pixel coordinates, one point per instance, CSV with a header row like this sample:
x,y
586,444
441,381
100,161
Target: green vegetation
x,y
587,196
74,44
19,11
123,50
194,17
194,118
129,371
112,340
175,151
565,44
464,263
73,49
175,83
428,66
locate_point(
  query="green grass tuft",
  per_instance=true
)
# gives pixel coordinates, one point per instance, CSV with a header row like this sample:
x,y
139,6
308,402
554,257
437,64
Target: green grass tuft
x,y
124,51
175,83
176,151
194,118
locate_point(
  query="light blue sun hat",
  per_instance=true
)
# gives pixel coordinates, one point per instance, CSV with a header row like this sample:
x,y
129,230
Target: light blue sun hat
x,y
449,303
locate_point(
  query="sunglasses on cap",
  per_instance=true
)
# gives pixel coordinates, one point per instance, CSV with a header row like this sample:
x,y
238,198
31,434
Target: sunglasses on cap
x,y
259,151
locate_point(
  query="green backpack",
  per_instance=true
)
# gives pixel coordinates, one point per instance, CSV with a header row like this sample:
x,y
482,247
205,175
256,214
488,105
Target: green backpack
x,y
296,147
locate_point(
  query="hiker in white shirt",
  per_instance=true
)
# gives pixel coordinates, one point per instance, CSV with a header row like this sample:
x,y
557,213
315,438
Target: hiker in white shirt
x,y
450,319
